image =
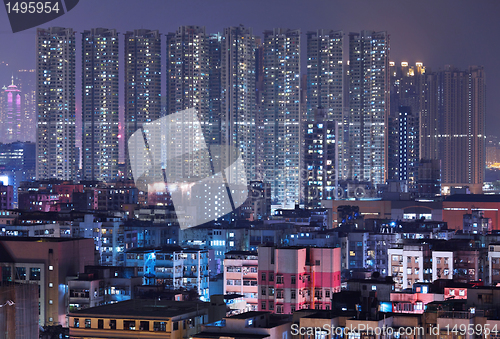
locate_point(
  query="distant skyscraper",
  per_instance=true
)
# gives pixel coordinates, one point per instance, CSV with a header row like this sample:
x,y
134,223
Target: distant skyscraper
x,y
214,88
187,66
369,105
408,148
324,73
26,83
325,81
461,104
142,82
408,102
320,152
12,123
238,106
430,119
188,87
259,109
17,161
55,103
100,104
281,115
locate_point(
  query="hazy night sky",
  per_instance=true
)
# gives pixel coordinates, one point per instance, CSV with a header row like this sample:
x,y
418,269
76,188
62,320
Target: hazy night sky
x,y
435,32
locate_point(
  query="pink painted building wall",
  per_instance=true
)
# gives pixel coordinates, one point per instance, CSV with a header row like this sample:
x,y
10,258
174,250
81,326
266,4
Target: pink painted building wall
x,y
297,278
240,276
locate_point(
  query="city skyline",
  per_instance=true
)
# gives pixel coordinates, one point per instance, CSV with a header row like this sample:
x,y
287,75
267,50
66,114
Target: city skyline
x,y
429,33
182,164
192,71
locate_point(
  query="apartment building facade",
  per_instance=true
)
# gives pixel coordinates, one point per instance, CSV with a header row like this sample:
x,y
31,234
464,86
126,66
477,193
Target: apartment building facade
x,y
294,278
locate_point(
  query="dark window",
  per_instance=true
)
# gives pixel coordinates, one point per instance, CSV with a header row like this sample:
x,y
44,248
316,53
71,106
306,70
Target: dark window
x,y
20,273
88,323
159,326
76,322
34,273
129,325
294,280
112,324
271,277
100,324
263,305
6,274
144,326
263,276
176,325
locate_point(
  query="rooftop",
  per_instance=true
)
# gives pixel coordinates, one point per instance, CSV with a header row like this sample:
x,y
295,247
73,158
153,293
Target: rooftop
x,y
40,239
250,314
474,197
144,308
162,249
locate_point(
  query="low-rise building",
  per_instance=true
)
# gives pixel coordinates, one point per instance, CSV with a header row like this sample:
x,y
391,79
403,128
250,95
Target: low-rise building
x,y
249,325
241,276
19,310
49,263
173,267
380,287
144,318
6,197
494,263
294,278
409,264
101,285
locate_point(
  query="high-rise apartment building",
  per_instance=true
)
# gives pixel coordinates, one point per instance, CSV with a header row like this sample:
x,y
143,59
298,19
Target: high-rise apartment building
x,y
461,104
408,88
100,104
238,106
320,158
325,83
187,66
142,82
259,111
368,105
188,88
325,73
55,103
281,115
214,86
408,148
